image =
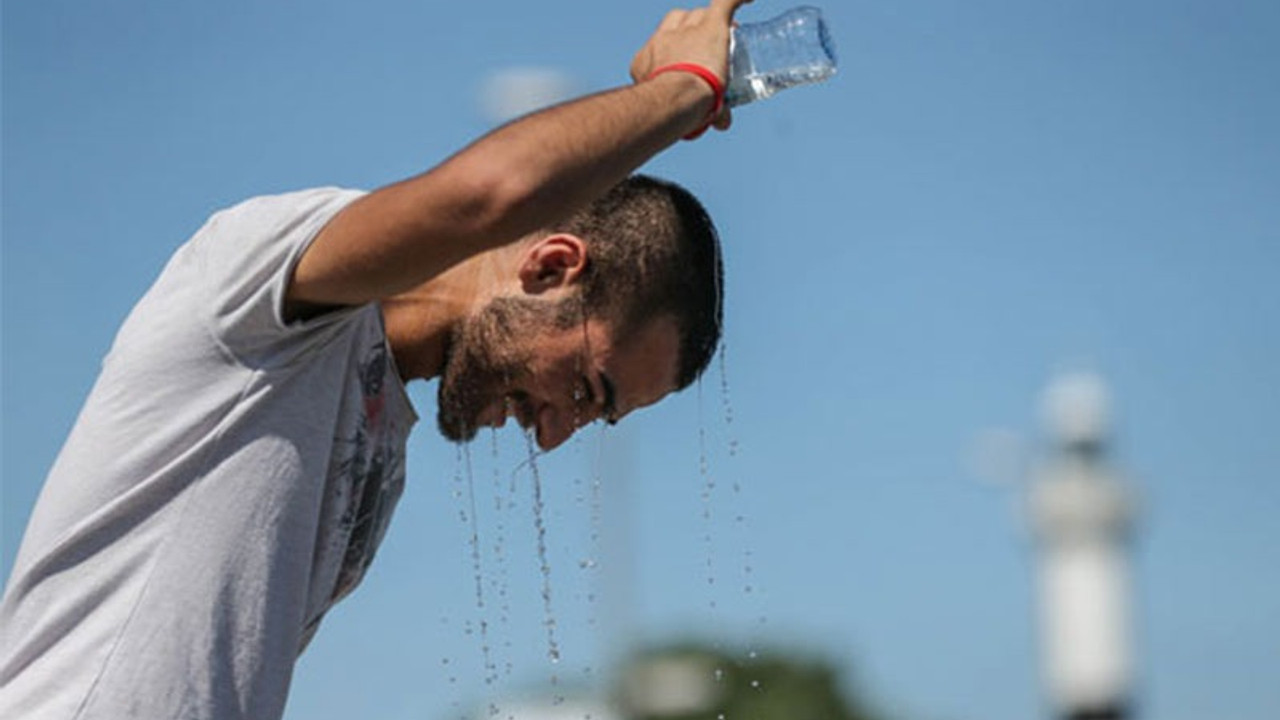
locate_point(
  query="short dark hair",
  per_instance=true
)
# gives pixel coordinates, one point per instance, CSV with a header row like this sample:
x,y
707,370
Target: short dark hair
x,y
653,252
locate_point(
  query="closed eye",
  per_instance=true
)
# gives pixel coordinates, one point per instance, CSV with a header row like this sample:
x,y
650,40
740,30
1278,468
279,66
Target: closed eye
x,y
610,408
606,399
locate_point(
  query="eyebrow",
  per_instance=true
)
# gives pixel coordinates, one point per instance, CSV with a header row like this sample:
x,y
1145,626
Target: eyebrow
x,y
610,399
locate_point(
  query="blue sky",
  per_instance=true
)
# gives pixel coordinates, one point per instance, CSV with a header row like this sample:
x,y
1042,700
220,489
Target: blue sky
x,y
989,192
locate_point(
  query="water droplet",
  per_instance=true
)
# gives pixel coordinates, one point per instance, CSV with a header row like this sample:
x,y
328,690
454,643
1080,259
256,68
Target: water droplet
x,y
724,394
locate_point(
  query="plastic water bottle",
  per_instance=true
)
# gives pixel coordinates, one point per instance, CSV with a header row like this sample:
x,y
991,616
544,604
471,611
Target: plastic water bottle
x,y
792,49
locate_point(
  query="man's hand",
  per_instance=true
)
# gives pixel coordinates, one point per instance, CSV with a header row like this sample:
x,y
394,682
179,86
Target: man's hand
x,y
698,36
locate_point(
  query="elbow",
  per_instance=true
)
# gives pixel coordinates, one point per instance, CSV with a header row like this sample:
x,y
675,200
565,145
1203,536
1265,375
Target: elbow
x,y
498,200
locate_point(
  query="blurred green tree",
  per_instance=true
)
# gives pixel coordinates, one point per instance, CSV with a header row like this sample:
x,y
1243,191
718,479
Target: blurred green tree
x,y
694,682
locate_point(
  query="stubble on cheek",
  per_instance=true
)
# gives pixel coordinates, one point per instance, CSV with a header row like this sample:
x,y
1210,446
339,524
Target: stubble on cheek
x,y
473,384
488,359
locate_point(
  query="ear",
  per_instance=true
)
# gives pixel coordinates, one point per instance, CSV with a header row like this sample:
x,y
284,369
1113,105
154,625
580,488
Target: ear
x,y
552,262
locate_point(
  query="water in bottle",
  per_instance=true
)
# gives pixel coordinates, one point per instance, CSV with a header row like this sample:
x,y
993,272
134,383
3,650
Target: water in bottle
x,y
792,49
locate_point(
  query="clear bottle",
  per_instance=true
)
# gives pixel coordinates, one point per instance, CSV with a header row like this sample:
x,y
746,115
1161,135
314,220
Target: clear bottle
x,y
792,49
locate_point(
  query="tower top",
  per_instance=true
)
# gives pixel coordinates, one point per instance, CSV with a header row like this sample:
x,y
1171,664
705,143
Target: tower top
x,y
1077,409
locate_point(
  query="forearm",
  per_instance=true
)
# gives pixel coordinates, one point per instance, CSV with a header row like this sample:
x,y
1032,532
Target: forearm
x,y
521,177
549,164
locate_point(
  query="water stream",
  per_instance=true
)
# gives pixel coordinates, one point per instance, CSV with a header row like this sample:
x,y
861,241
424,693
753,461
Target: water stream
x,y
544,565
721,501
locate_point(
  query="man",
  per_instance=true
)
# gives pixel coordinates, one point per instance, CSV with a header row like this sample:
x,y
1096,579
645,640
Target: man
x,y
236,464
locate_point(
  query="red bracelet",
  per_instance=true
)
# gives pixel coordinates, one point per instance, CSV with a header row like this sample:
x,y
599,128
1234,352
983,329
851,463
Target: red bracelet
x,y
717,87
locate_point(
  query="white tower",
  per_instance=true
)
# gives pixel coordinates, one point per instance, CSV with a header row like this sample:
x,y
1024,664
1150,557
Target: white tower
x,y
1082,515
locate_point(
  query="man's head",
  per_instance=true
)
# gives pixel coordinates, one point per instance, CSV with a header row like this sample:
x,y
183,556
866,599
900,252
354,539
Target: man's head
x,y
619,306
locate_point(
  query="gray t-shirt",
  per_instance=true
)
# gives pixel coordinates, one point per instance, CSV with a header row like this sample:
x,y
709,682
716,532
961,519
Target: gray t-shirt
x,y
227,481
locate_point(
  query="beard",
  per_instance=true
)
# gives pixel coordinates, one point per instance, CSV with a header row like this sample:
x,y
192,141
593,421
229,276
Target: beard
x,y
488,357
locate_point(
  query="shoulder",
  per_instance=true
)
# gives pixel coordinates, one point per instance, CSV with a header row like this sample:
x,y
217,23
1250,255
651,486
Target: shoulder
x,y
293,203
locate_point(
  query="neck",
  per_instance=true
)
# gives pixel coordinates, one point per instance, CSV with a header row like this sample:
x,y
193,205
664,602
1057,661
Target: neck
x,y
418,338
421,321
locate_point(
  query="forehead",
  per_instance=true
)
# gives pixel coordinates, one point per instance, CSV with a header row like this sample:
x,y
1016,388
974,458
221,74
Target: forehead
x,y
643,365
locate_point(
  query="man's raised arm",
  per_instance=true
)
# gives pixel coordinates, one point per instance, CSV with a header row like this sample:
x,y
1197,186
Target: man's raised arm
x,y
522,176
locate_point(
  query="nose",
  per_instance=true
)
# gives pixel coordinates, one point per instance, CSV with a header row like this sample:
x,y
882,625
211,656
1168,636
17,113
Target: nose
x,y
548,440
556,425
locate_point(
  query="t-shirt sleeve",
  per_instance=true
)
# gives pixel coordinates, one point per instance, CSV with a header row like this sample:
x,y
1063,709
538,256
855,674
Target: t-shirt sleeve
x,y
247,257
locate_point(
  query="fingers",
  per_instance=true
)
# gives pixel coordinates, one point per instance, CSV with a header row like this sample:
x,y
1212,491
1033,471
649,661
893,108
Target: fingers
x,y
698,35
723,120
673,19
722,10
725,9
